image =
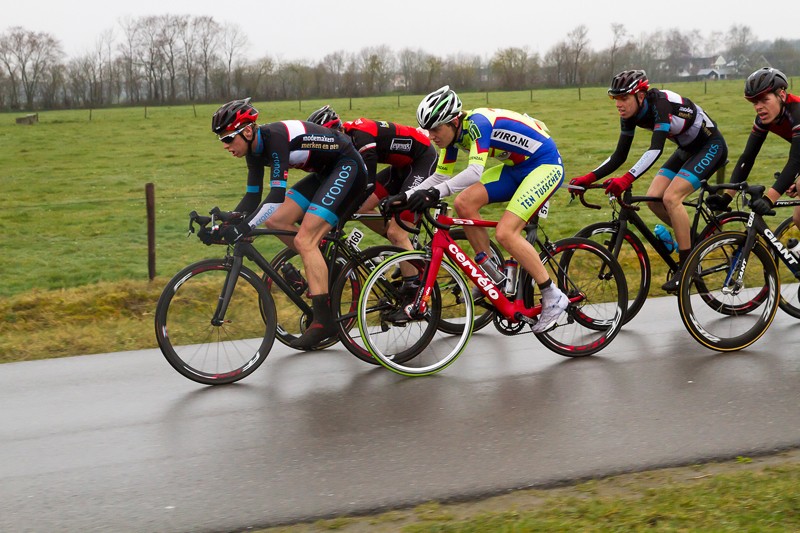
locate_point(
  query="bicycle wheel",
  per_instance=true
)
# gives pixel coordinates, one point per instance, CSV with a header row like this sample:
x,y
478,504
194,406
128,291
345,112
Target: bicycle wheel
x,y
345,292
292,321
790,287
582,268
200,350
711,273
632,257
413,345
451,295
730,221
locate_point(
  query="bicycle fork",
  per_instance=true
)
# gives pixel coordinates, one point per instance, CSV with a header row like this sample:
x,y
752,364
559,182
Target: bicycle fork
x,y
227,290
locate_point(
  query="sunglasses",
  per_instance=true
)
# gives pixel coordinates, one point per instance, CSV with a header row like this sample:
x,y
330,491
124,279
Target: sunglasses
x,y
230,137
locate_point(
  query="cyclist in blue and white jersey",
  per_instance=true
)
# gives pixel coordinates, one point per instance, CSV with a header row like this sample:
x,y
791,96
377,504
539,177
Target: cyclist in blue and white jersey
x,y
701,151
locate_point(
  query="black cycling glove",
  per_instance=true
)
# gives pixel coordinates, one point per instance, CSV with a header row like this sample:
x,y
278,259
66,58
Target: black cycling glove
x,y
421,200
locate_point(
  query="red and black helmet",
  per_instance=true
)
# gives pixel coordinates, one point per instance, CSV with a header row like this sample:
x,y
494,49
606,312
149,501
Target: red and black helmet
x,y
764,80
233,116
628,82
325,116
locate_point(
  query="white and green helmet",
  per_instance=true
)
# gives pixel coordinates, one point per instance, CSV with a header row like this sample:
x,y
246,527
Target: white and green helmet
x,y
439,107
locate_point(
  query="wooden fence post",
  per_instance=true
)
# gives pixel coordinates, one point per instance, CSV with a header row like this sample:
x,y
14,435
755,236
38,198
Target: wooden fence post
x,y
149,192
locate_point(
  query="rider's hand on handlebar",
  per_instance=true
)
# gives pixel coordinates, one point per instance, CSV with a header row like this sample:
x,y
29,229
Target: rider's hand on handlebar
x,y
582,182
392,203
209,236
421,200
762,206
617,186
718,202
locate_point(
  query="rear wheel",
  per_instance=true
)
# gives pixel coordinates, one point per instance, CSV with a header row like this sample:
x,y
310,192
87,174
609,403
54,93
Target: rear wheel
x,y
790,286
593,280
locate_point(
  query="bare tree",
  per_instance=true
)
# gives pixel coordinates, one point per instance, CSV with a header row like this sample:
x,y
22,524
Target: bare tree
x,y
27,56
740,43
556,62
233,42
377,67
577,41
207,32
465,71
508,64
620,35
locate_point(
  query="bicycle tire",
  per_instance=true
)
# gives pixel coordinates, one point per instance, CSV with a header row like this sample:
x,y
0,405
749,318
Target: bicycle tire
x,y
292,321
487,315
205,353
632,257
729,221
707,269
345,292
415,346
790,286
582,266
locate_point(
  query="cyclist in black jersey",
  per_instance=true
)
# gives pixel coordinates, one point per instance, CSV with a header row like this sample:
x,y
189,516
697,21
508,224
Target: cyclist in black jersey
x,y
410,158
701,151
336,185
778,112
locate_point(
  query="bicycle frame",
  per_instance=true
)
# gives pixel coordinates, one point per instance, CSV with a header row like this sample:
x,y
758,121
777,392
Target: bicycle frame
x,y
443,245
755,227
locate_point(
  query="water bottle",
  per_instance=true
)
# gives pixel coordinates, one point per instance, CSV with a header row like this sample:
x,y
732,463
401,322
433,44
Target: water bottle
x,y
794,246
489,268
666,237
295,279
510,269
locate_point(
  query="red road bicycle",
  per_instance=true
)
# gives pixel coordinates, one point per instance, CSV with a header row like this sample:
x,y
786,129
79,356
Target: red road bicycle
x,y
412,344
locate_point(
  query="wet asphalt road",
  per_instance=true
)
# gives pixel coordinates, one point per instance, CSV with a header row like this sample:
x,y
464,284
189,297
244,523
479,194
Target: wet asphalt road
x,y
121,442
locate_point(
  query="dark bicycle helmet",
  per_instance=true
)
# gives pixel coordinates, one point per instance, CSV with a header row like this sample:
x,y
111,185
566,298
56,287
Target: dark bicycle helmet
x,y
233,116
439,107
325,116
629,82
764,80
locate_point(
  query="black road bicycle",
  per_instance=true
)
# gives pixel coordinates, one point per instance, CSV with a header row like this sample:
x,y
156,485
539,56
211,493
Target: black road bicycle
x,y
732,286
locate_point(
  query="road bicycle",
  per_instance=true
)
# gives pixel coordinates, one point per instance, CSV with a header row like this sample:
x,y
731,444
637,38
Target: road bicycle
x,y
739,270
626,246
216,319
585,271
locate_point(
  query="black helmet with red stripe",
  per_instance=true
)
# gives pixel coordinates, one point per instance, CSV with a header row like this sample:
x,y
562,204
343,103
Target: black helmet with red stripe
x,y
233,116
764,80
326,116
629,82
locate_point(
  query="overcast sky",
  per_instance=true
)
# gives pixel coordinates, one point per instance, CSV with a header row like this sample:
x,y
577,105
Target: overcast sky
x,y
310,29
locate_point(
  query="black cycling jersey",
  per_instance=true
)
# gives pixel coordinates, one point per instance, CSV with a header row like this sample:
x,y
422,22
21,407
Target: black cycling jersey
x,y
329,155
408,152
786,126
669,116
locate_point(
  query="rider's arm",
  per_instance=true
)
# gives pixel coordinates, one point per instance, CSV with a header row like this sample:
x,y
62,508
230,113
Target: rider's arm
x,y
745,163
792,167
617,158
255,186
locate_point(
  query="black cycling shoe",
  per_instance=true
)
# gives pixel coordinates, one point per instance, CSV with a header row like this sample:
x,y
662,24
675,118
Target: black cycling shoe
x,y
407,294
314,335
672,285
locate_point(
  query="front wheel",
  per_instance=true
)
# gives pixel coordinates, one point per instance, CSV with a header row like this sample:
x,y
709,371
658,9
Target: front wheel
x,y
588,274
716,271
200,350
407,340
632,257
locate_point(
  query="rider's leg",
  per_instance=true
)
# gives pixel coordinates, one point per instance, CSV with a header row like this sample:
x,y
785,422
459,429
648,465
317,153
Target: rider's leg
x,y
657,187
286,218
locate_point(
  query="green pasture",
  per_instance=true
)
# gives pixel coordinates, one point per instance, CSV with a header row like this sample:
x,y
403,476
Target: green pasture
x,y
75,263
74,183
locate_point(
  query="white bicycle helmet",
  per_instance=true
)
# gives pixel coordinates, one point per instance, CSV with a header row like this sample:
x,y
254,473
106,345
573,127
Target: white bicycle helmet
x,y
439,107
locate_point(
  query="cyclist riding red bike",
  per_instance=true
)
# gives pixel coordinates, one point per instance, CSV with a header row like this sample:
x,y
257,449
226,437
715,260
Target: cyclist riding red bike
x,y
531,172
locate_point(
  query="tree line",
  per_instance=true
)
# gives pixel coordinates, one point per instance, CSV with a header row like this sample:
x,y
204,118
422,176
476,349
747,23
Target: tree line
x,y
176,59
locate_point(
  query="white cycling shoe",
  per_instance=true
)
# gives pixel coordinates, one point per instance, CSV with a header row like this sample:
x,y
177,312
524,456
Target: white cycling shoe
x,y
554,302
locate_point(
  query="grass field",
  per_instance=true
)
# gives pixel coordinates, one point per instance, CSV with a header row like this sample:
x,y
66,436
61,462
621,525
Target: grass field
x,y
74,190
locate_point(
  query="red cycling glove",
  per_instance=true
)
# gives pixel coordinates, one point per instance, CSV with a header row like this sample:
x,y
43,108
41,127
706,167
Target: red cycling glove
x,y
583,181
617,186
